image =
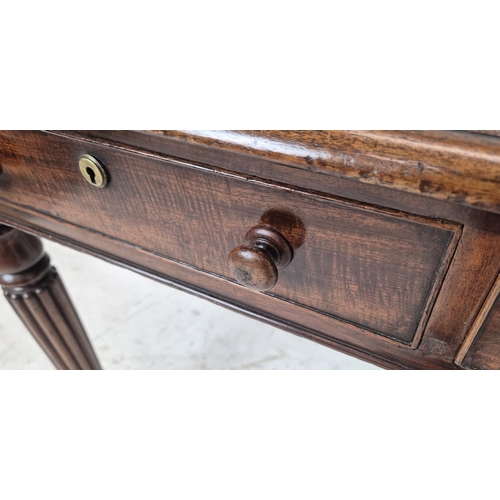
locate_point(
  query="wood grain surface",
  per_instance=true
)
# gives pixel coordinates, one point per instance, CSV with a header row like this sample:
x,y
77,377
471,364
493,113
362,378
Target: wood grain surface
x,y
481,348
296,319
363,211
314,180
472,272
374,268
459,167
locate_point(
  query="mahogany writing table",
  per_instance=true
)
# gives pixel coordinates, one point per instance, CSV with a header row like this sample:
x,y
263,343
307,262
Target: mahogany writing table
x,y
382,245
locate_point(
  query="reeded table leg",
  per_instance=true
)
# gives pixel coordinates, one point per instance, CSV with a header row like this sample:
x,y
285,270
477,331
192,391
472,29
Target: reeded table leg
x,y
37,294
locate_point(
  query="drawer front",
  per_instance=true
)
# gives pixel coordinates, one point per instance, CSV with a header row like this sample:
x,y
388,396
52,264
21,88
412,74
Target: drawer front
x,y
374,268
481,348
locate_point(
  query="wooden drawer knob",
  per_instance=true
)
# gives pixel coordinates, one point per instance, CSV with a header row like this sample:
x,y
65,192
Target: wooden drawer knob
x,y
256,264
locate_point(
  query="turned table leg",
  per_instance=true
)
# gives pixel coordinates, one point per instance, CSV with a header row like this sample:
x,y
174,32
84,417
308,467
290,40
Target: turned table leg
x,y
35,291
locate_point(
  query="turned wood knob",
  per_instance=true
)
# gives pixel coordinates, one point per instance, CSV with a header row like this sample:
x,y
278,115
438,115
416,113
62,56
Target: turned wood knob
x,y
255,265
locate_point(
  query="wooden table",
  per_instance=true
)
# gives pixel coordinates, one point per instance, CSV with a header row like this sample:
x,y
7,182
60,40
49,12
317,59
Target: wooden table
x,y
382,245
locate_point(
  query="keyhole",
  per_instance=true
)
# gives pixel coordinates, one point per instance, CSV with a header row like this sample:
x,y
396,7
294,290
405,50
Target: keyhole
x,y
91,174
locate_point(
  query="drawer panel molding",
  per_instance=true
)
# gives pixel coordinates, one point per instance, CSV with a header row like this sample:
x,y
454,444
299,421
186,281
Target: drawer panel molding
x,y
375,268
481,347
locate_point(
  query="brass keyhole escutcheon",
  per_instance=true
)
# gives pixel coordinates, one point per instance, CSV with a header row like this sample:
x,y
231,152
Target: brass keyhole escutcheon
x,y
92,170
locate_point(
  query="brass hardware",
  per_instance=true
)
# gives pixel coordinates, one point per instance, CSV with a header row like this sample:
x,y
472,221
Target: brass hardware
x,y
93,171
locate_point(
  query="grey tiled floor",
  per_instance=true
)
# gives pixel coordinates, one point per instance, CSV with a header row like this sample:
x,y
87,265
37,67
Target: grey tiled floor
x,y
137,323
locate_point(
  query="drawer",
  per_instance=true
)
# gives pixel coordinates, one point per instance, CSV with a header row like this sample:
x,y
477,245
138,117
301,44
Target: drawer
x,y
377,269
481,348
